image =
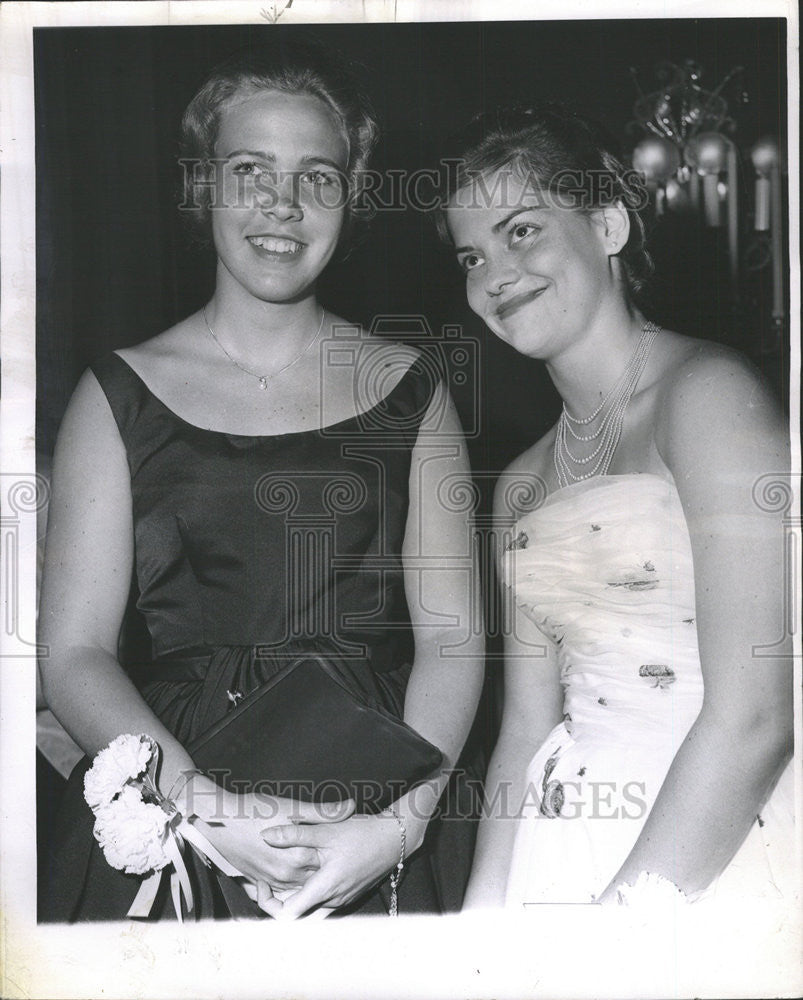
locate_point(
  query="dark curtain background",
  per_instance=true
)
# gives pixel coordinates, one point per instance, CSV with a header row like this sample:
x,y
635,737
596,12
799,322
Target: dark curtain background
x,y
114,268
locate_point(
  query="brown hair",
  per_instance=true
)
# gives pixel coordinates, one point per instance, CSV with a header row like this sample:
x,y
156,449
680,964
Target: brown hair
x,y
562,153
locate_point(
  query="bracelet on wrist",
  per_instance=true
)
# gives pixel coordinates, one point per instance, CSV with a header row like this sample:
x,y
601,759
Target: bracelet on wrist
x,y
396,873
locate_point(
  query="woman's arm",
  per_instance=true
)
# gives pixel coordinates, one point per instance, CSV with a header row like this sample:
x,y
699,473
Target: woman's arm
x,y
718,432
87,575
446,678
442,588
533,707
86,580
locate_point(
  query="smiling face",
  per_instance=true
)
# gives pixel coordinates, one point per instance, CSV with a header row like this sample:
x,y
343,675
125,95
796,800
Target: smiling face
x,y
536,272
280,205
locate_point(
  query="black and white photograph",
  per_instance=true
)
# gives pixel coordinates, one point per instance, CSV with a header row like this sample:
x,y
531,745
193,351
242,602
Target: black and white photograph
x,y
401,500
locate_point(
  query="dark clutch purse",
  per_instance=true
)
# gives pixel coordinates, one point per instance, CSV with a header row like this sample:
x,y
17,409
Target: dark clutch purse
x,y
306,735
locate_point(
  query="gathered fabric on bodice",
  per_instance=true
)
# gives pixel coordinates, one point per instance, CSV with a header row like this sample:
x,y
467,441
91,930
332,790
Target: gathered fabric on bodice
x,y
604,568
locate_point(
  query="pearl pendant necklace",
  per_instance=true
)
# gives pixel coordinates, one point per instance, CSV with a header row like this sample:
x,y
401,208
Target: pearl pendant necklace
x,y
610,428
263,379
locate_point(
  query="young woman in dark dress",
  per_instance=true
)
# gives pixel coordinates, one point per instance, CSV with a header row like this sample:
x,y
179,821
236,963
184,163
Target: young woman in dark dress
x,y
194,457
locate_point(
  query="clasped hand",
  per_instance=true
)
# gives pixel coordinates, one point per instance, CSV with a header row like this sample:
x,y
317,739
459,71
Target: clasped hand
x,y
353,855
234,824
296,857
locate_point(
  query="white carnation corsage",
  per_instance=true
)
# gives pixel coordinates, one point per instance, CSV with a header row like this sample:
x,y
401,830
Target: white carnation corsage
x,y
140,830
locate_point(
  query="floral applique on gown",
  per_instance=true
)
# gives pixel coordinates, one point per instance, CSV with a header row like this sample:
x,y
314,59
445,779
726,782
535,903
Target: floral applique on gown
x,y
250,550
604,569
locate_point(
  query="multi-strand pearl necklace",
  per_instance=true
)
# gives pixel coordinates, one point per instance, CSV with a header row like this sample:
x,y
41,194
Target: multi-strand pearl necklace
x,y
610,426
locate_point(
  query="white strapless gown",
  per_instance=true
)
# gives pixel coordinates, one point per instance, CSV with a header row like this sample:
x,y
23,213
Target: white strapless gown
x,y
604,569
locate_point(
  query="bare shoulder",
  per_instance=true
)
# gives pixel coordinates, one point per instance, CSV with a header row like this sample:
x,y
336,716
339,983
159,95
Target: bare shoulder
x,y
89,456
693,368
375,365
711,397
174,344
88,412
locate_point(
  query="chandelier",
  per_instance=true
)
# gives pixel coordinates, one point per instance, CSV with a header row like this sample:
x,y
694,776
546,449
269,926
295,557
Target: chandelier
x,y
691,162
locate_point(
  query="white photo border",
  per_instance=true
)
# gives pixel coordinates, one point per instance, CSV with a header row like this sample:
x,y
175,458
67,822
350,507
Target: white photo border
x,y
557,951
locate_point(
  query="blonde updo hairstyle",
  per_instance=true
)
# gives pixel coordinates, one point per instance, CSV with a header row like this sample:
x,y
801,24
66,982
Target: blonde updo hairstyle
x,y
293,66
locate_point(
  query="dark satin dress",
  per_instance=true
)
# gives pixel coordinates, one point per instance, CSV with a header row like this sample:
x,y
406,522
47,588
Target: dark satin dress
x,y
248,551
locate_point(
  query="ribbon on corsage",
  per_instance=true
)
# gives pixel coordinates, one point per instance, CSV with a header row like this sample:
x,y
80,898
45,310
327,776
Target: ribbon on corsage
x,y
140,830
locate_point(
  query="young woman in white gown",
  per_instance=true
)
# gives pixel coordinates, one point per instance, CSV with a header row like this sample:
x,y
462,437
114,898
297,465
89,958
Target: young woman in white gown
x,y
648,720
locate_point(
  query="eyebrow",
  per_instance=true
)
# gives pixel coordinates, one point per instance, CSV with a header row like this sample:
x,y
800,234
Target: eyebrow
x,y
315,158
499,226
271,157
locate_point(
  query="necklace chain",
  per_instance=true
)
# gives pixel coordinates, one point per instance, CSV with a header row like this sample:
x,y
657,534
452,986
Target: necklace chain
x,y
610,426
263,379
